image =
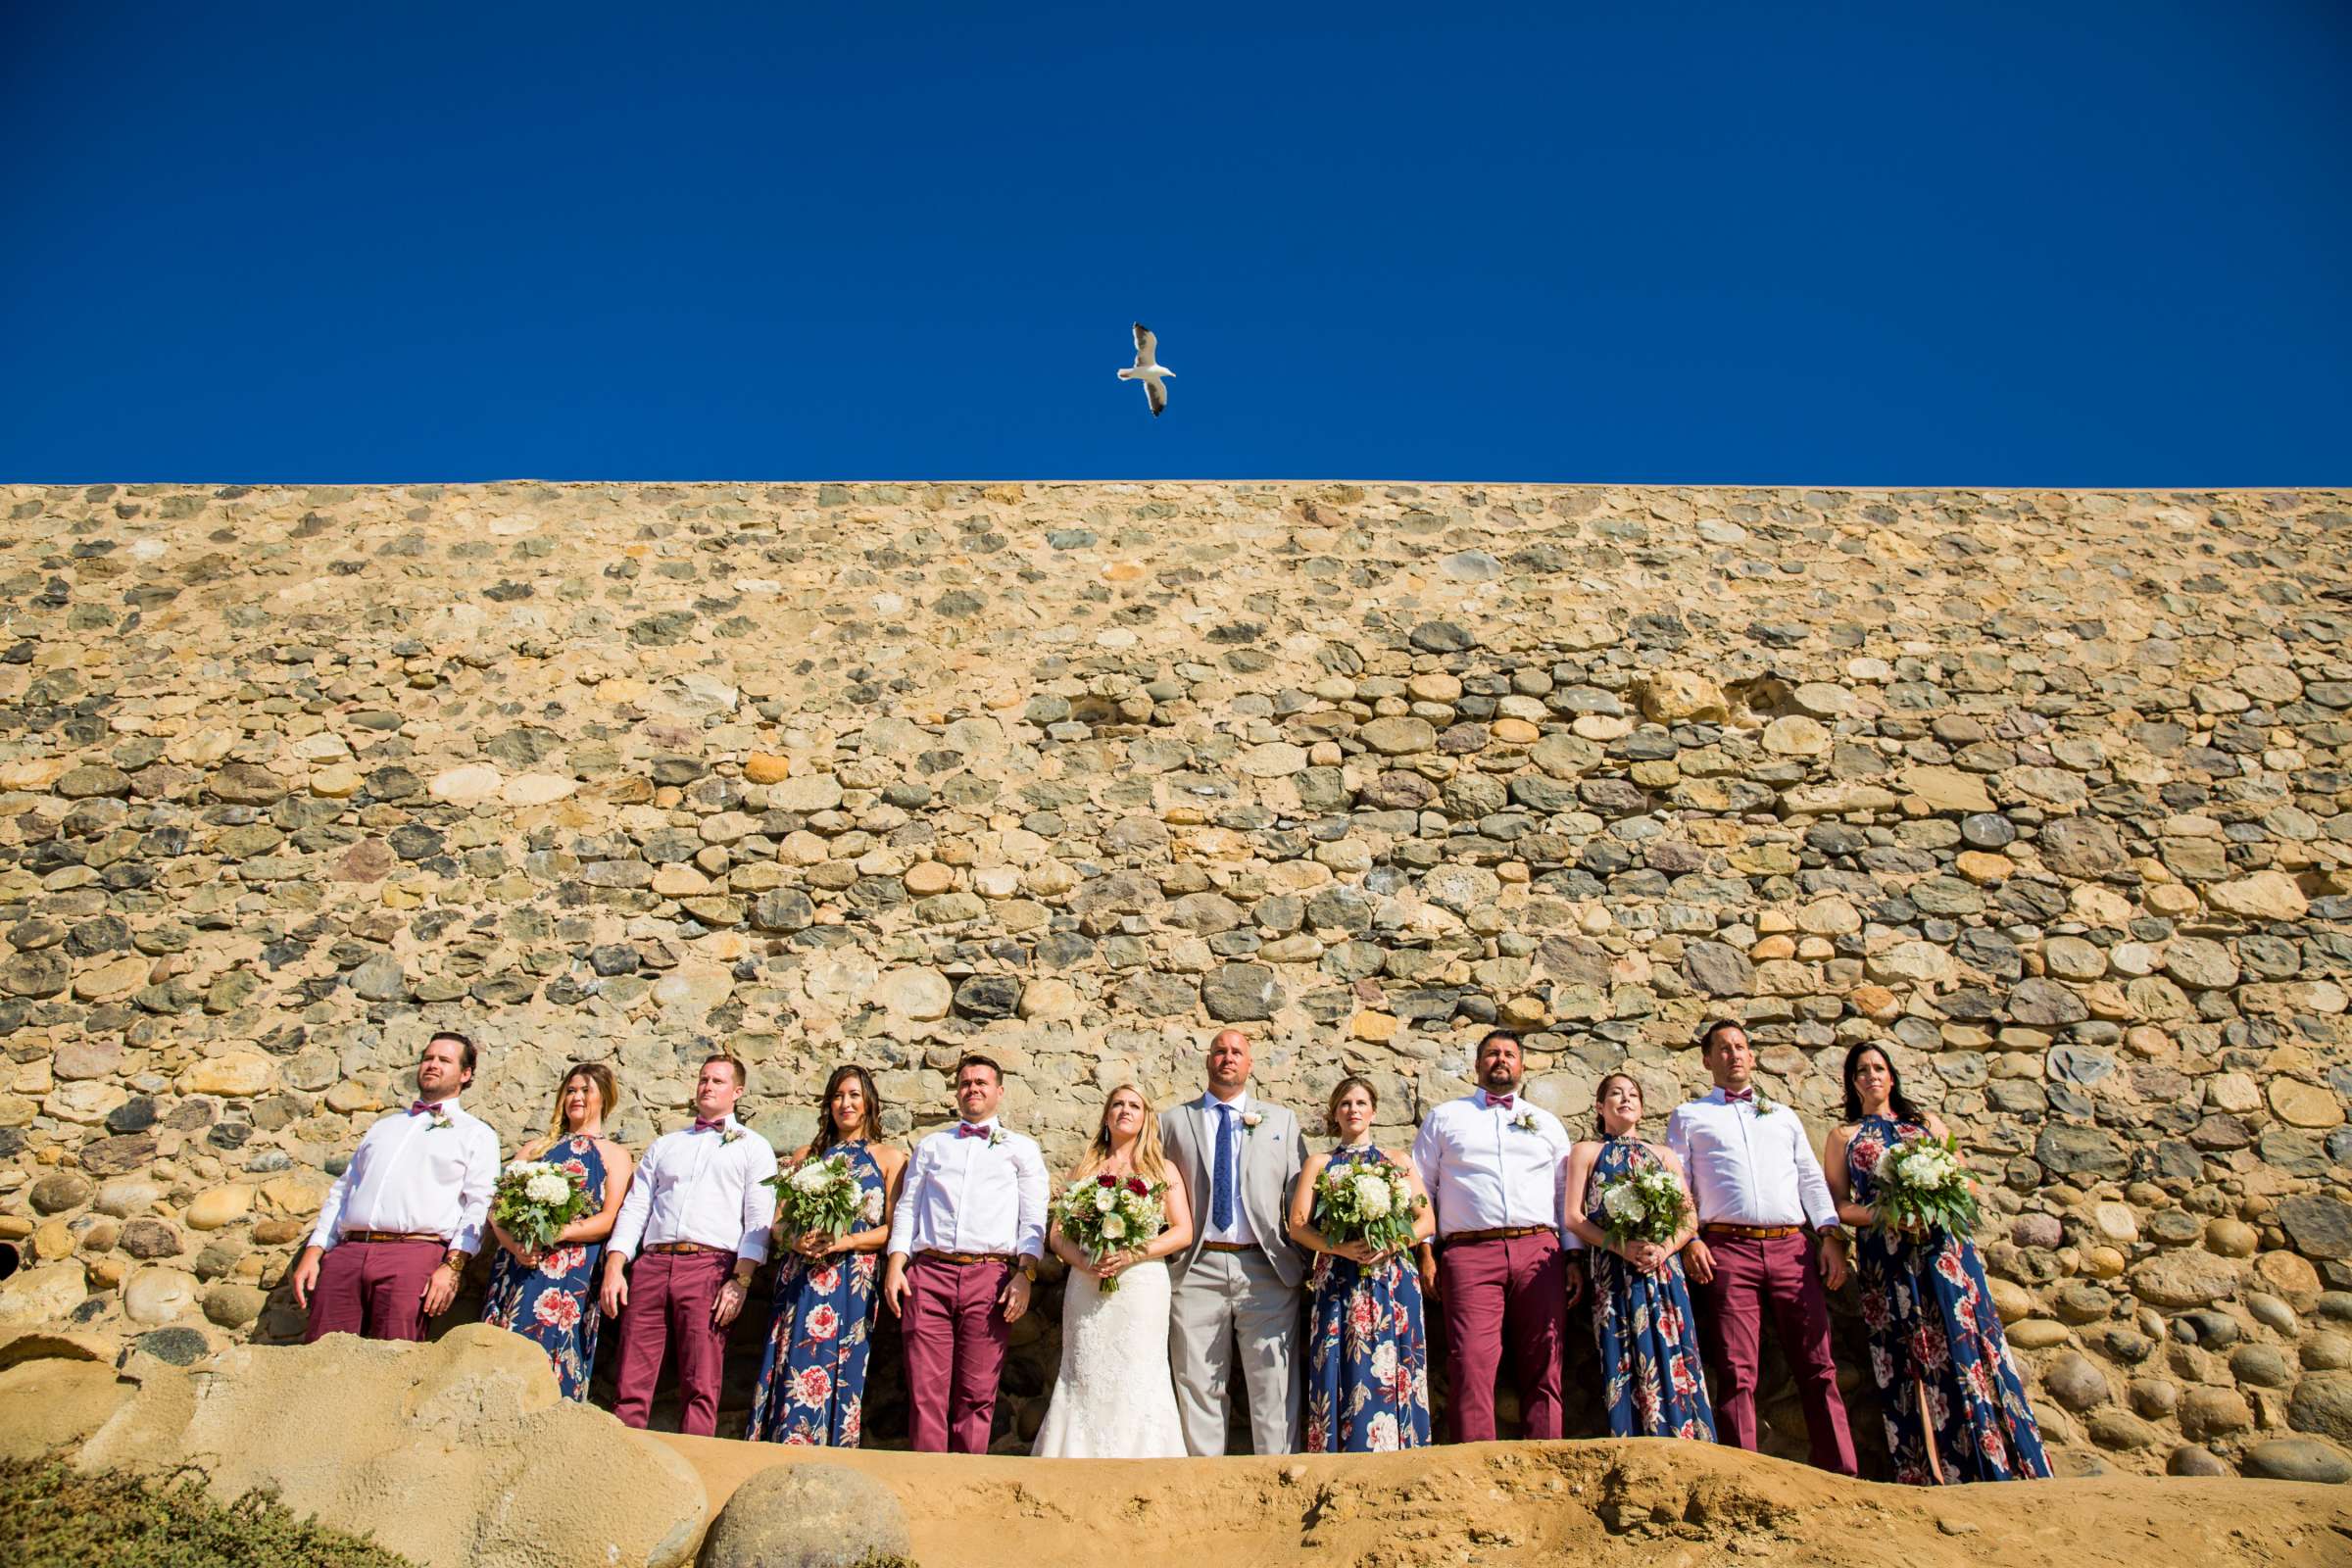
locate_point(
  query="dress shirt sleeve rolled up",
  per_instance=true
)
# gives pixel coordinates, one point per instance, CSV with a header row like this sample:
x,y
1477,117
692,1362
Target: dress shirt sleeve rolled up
x,y
1812,1187
635,1210
759,1202
479,1186
1029,1177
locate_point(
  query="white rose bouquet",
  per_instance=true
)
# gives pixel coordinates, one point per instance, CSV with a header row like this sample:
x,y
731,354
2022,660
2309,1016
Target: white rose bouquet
x,y
535,1200
1371,1201
1922,1187
1106,1214
822,1194
1643,1205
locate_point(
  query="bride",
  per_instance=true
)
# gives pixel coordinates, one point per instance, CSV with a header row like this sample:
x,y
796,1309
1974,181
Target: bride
x,y
1115,1398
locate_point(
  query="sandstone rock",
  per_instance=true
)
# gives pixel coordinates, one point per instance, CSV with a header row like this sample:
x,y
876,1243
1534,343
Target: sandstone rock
x,y
2297,1460
2208,1412
222,1206
918,995
2290,1278
60,1191
470,1420
2192,1461
2323,1403
2263,896
466,786
1668,696
239,1074
2075,1381
2184,1279
2302,1104
43,1294
159,1296
48,1404
1945,789
809,1515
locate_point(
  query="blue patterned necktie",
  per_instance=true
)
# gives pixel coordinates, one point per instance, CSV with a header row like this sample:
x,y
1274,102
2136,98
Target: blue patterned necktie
x,y
1220,1203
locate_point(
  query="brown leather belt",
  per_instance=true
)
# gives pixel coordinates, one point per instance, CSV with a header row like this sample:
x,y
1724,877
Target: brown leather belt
x,y
1502,1233
959,1259
433,1237
1229,1246
684,1249
1750,1232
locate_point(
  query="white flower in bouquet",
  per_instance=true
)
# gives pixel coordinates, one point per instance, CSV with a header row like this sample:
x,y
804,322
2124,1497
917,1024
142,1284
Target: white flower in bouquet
x,y
1923,1187
820,1196
1624,1202
1643,1205
548,1187
1373,1199
534,1200
1114,1229
1106,1199
813,1177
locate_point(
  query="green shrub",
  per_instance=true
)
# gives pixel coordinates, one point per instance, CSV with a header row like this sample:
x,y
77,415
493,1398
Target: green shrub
x,y
58,1518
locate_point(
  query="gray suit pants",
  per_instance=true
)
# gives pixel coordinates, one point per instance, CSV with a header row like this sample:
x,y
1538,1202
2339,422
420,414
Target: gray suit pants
x,y
1225,1301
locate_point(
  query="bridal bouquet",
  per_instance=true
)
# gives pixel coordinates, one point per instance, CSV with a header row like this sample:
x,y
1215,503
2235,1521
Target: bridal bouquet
x,y
822,1194
1922,1187
536,1199
1643,1205
1371,1201
1106,1215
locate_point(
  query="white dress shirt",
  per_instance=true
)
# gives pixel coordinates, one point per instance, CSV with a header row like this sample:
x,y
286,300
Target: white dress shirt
x,y
1746,1170
1491,1166
973,1195
416,1171
703,1187
1240,1232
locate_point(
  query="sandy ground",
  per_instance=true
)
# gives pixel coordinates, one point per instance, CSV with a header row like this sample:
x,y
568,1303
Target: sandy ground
x,y
1648,1502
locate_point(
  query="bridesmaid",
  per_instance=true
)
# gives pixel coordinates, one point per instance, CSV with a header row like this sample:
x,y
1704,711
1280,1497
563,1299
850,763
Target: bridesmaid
x,y
1641,1307
1367,1366
1956,1408
551,1296
812,1376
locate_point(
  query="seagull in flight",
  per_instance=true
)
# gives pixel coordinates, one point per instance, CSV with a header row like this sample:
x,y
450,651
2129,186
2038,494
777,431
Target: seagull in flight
x,y
1148,370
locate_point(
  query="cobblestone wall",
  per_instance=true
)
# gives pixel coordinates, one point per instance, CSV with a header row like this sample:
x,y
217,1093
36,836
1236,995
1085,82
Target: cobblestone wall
x,y
2049,790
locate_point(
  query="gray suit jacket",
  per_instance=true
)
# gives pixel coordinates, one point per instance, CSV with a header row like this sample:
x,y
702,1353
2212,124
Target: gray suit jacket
x,y
1272,1152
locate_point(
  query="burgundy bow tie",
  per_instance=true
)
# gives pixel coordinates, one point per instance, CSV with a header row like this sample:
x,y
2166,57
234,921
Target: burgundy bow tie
x,y
418,1107
965,1129
1733,1096
1504,1100
702,1126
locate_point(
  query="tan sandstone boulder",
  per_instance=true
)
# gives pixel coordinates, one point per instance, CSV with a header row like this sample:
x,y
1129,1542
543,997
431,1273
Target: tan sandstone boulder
x,y
454,1452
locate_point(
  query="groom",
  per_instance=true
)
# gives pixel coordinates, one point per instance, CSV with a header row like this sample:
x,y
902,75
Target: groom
x,y
1239,1279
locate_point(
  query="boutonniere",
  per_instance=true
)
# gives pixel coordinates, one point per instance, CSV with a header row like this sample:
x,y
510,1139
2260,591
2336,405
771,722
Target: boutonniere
x,y
996,1138
1249,1121
440,1121
729,1136
1764,1106
1525,1121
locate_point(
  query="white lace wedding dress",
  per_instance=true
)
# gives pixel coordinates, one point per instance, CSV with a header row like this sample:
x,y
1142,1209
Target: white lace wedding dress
x,y
1114,1397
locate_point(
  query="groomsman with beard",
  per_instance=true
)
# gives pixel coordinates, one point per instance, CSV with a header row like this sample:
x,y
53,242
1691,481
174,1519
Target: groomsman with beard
x,y
399,1223
1494,1164
1239,1281
963,1247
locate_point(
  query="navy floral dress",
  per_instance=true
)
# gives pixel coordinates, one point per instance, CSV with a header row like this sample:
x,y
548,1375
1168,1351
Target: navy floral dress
x,y
1935,1338
1642,1326
812,1377
555,1303
1367,1363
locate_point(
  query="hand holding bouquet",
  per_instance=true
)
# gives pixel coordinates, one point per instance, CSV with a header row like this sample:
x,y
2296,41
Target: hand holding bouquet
x,y
1922,1187
1645,1204
535,1200
818,1196
1106,1215
1371,1201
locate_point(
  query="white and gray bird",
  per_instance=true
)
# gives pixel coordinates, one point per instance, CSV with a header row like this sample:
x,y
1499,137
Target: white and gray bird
x,y
1148,370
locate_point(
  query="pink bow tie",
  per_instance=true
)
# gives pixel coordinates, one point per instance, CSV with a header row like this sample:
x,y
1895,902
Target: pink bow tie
x,y
965,1129
1733,1096
702,1126
1503,1101
418,1107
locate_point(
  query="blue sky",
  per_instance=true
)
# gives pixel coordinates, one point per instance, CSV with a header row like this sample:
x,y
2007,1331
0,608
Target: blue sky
x,y
1867,244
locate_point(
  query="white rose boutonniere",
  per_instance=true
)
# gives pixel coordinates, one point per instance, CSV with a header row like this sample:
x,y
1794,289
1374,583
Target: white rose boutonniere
x,y
1525,1121
441,1122
996,1138
1249,1121
1764,1106
729,1136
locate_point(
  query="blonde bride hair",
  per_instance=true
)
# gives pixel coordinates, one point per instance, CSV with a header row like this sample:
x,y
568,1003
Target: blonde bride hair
x,y
1149,1163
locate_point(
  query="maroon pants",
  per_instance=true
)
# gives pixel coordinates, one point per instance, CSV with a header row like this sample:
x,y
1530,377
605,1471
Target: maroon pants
x,y
956,1334
1512,1288
1750,1276
374,1289
670,1298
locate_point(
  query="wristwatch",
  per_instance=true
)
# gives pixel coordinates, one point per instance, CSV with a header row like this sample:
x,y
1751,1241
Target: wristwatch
x,y
1027,1265
456,1259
